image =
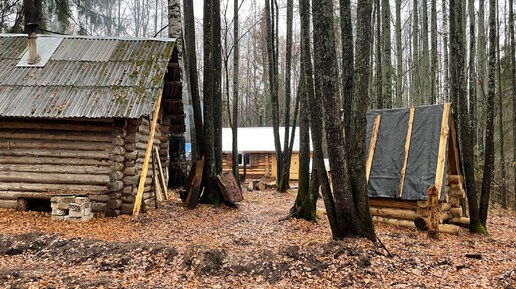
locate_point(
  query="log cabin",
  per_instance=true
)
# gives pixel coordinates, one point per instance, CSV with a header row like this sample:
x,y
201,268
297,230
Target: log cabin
x,y
256,149
78,119
408,151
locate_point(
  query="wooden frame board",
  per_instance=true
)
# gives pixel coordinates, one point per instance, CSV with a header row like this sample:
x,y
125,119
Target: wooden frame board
x,y
407,147
372,146
441,157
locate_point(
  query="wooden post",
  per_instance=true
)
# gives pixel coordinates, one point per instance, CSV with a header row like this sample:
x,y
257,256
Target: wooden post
x,y
441,157
372,145
141,185
161,176
407,147
155,183
433,212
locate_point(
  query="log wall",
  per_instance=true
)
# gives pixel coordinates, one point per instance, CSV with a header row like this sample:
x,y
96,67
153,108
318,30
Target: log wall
x,y
262,163
41,157
135,145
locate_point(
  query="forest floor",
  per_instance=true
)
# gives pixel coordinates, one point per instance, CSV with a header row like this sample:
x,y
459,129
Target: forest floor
x,y
244,247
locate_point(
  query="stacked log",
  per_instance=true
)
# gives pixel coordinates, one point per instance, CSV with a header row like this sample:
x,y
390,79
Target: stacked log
x,y
42,157
457,197
116,174
135,147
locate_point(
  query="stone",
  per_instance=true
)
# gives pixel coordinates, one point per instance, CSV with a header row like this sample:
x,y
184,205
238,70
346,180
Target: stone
x,y
60,218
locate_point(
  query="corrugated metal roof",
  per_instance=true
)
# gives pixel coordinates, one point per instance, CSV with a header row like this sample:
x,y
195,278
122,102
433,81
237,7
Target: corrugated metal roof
x,y
91,77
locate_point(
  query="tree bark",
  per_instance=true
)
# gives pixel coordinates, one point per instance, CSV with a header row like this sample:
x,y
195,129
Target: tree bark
x,y
513,92
503,186
489,146
387,62
236,67
379,72
217,79
434,90
399,56
415,94
358,135
425,59
446,67
481,76
284,185
472,72
459,95
191,67
347,63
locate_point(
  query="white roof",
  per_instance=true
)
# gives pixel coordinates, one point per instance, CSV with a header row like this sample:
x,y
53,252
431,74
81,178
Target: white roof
x,y
256,139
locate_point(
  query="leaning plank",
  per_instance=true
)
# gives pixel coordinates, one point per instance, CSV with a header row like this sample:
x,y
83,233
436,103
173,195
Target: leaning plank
x,y
407,147
139,194
229,188
62,169
443,142
372,145
160,174
195,189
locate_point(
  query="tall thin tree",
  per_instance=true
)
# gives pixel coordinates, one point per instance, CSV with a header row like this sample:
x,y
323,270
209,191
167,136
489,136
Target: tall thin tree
x,y
513,91
489,146
387,62
236,67
399,56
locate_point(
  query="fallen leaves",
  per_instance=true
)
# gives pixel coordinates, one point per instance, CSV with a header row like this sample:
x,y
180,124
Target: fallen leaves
x,y
246,246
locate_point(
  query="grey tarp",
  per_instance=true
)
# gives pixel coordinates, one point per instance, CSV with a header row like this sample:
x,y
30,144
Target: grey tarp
x,y
389,154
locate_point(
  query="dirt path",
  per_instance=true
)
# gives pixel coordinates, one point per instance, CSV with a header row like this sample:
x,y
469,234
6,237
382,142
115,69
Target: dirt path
x,y
242,247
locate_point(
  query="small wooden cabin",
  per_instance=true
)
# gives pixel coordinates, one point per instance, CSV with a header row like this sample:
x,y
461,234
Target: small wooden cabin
x,y
78,120
256,149
410,150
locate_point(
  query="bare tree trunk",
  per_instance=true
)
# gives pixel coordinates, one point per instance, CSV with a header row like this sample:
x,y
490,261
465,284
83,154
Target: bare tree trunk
x,y
434,91
446,66
489,147
387,62
347,63
284,185
379,72
191,61
425,59
503,179
270,39
236,67
481,76
217,79
513,92
415,94
472,73
358,135
399,56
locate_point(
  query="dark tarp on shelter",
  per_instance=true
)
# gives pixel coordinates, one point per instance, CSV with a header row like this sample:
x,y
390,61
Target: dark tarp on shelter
x,y
389,154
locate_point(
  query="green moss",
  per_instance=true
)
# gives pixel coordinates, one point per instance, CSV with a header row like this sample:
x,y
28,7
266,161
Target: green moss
x,y
477,228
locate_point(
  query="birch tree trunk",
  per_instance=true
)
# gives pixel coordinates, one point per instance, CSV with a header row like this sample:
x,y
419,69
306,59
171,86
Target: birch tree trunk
x,y
503,178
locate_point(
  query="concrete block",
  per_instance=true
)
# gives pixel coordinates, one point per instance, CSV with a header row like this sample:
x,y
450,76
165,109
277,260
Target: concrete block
x,y
68,199
56,199
81,200
77,214
76,207
60,218
59,212
87,211
63,206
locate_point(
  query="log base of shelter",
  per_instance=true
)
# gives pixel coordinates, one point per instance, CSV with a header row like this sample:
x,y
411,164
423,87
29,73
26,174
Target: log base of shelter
x,y
414,214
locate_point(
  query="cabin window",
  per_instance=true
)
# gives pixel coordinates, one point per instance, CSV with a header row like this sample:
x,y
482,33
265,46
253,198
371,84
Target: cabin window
x,y
247,159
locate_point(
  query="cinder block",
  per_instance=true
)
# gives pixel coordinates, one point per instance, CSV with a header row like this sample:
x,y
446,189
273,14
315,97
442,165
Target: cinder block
x,y
87,205
63,205
87,211
68,199
53,205
76,214
56,199
81,200
59,212
76,207
61,218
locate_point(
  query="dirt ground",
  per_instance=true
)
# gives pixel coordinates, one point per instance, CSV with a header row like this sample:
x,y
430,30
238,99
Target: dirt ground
x,y
244,247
